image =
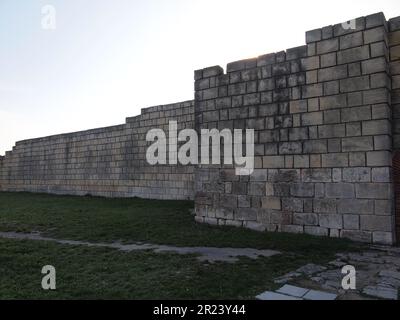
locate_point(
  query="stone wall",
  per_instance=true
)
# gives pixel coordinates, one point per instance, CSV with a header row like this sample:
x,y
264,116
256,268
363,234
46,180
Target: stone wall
x,y
107,162
323,135
326,120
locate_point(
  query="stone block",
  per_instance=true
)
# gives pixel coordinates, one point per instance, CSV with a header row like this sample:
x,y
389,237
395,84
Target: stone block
x,y
332,131
290,148
309,63
353,55
340,190
325,206
354,84
376,223
361,236
302,190
375,35
374,65
315,146
327,46
298,106
331,221
355,206
313,35
246,214
333,102
273,162
292,205
376,127
385,238
373,191
316,231
312,118
351,222
312,90
333,160
379,158
351,40
357,174
332,73
308,219
301,161
356,114
383,207
381,174
357,144
273,203
376,19
376,96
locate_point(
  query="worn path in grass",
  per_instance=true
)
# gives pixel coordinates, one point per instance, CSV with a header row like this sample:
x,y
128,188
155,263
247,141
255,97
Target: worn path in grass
x,y
209,254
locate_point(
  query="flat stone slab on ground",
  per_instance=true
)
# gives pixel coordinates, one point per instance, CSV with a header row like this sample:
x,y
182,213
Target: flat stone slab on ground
x,y
273,296
293,291
319,295
381,292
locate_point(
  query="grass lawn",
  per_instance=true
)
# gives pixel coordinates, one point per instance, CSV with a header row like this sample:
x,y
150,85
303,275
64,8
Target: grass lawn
x,y
85,273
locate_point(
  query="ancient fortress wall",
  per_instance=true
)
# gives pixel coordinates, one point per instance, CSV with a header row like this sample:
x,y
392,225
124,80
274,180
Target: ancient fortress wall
x,y
326,117
107,162
322,115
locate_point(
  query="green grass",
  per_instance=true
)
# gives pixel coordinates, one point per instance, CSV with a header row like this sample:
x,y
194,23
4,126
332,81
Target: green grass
x,y
93,273
132,220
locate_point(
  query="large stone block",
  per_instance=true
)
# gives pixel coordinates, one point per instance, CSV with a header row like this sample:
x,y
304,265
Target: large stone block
x,y
351,40
340,190
356,114
325,206
353,54
357,144
376,223
356,206
302,189
373,191
351,222
326,46
357,174
333,73
361,236
273,203
354,84
331,221
333,102
307,219
333,160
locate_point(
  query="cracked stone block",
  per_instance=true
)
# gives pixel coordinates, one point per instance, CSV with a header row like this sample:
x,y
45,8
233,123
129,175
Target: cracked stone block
x,y
319,295
273,296
381,292
293,291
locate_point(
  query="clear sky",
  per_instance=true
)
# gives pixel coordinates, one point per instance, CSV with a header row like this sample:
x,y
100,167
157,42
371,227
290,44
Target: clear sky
x,y
107,59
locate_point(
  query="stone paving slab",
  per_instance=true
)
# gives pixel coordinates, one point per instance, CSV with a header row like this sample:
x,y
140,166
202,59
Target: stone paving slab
x,y
319,295
292,291
381,292
273,296
289,292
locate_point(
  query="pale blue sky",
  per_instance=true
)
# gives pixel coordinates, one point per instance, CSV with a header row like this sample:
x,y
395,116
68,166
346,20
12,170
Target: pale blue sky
x,y
107,59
